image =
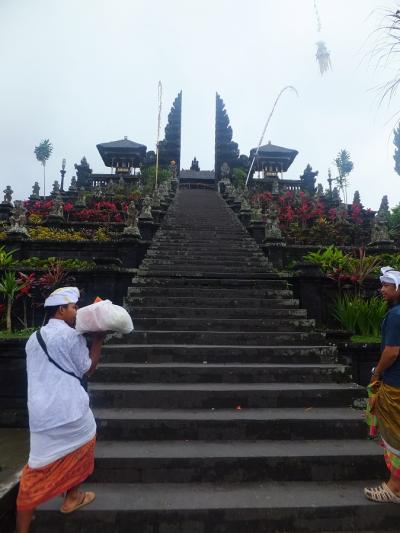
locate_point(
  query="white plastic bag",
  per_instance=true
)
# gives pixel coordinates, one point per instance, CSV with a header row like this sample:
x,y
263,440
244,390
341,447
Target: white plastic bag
x,y
103,316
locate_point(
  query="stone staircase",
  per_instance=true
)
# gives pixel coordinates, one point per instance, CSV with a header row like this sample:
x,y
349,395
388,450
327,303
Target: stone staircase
x,y
225,411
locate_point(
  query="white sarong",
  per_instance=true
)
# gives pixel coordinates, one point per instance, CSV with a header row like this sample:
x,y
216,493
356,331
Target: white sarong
x,y
51,444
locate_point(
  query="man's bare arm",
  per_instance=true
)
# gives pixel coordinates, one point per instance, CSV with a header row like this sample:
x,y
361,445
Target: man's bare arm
x,y
388,357
95,351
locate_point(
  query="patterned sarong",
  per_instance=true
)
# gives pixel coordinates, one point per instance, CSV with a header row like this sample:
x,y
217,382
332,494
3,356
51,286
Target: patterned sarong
x,y
385,420
38,485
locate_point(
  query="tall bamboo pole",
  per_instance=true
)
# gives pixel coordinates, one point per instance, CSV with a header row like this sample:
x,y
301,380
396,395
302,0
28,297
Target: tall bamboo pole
x,y
158,130
266,126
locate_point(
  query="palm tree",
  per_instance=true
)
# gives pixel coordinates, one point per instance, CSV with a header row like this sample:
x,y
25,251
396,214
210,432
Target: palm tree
x,y
344,165
9,287
43,153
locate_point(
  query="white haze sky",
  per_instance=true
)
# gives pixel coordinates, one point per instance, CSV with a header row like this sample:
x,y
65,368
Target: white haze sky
x,y
81,72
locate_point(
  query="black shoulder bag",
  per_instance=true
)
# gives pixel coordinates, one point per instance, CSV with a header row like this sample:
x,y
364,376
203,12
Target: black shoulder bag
x,y
82,381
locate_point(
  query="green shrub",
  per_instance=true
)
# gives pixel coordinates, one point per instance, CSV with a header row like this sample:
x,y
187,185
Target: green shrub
x,y
328,259
39,262
360,316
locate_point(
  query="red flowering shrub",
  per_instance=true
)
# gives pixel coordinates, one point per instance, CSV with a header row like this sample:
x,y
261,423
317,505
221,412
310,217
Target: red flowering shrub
x,y
313,220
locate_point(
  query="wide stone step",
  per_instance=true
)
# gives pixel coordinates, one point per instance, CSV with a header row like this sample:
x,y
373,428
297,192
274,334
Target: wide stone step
x,y
167,353
246,338
237,325
194,270
167,291
217,312
223,395
230,424
271,281
237,461
200,304
210,262
268,507
220,274
218,373
240,255
211,241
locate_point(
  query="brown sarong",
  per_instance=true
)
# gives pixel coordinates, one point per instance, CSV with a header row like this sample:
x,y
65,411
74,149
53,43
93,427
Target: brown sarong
x,y
38,485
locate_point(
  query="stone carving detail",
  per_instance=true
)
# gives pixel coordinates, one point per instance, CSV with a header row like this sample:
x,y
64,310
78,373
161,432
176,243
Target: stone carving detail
x,y
272,229
35,191
74,186
18,221
83,172
380,229
8,192
225,171
145,213
173,170
155,202
132,229
56,187
81,200
57,210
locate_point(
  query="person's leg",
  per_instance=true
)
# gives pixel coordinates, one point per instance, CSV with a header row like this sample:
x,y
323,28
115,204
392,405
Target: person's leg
x,y
394,484
24,519
75,498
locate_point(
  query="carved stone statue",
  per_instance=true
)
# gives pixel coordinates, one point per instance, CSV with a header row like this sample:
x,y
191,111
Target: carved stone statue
x,y
145,213
272,229
132,229
380,231
173,170
18,221
320,191
155,203
8,192
225,171
56,187
195,165
121,185
74,186
57,210
308,180
245,206
81,200
83,172
35,191
380,228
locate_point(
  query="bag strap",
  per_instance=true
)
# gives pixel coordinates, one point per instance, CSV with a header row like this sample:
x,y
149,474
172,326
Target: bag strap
x,y
44,348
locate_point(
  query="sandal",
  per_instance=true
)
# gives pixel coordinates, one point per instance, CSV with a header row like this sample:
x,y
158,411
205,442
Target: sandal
x,y
87,497
381,494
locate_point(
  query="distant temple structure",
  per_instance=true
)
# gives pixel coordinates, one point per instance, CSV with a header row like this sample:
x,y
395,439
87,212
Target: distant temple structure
x,y
270,163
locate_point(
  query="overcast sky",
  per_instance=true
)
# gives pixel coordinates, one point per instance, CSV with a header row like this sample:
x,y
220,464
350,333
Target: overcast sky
x,y
81,72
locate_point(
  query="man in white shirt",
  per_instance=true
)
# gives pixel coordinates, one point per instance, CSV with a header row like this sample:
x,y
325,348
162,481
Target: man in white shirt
x,y
62,425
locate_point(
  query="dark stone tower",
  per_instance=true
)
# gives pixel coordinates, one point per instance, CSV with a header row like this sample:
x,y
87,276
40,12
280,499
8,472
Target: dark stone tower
x,y
170,147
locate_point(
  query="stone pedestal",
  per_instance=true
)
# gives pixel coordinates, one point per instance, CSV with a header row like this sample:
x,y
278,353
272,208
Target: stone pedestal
x,y
257,231
5,211
245,217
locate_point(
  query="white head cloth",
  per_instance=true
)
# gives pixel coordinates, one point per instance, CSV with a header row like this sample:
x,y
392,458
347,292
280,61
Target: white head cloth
x,y
62,296
389,275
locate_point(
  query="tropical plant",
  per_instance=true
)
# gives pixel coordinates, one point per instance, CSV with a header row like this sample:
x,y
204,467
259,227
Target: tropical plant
x,y
360,316
344,166
40,262
6,258
328,259
43,152
361,267
55,277
26,284
9,287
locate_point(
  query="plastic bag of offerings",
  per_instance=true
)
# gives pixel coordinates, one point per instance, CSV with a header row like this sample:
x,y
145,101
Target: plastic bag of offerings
x,y
103,316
